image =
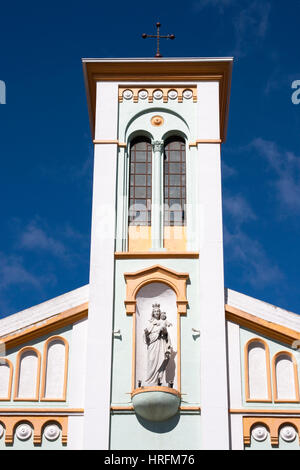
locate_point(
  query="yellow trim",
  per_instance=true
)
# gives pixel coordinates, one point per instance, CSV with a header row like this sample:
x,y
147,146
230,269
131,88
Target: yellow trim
x,y
156,254
150,89
11,368
38,423
273,424
205,141
296,382
41,328
139,390
268,371
109,141
271,330
17,375
272,411
36,410
45,360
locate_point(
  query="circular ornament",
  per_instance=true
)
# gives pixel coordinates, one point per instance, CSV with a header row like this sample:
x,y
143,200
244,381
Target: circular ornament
x,y
157,121
51,432
259,433
1,430
187,94
158,94
143,94
127,94
288,433
172,94
23,431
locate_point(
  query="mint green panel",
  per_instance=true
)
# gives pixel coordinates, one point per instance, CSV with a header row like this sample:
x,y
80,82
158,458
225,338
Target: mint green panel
x,y
178,433
123,343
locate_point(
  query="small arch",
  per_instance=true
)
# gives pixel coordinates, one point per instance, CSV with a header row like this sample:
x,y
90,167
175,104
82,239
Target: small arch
x,y
138,134
55,370
257,371
20,422
6,375
174,133
285,378
49,422
27,382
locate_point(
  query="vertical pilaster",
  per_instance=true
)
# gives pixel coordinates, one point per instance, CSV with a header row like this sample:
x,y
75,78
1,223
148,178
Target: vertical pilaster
x,y
99,338
157,226
213,364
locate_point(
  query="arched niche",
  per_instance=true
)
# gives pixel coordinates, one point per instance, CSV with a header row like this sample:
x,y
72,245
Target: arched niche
x,y
160,294
257,371
55,369
6,372
27,382
285,377
150,286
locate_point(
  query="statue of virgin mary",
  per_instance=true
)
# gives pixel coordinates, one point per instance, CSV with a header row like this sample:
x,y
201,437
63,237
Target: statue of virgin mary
x,y
158,348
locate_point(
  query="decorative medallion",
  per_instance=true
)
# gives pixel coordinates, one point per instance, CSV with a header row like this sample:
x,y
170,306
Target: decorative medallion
x,y
23,432
157,121
259,433
1,430
158,94
288,433
127,94
187,94
51,432
143,94
172,94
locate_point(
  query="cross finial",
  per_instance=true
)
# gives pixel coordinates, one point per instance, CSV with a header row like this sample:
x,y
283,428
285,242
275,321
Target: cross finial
x,y
158,37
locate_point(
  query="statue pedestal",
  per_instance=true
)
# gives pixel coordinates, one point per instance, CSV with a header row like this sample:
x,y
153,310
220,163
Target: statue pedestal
x,y
156,403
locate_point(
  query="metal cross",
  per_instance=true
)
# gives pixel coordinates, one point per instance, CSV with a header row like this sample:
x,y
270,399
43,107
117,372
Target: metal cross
x,y
158,37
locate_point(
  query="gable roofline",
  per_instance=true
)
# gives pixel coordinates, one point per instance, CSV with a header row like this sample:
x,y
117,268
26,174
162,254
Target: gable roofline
x,y
51,312
261,317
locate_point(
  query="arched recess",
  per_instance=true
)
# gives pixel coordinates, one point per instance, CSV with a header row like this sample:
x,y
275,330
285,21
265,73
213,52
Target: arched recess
x,y
28,367
257,371
6,375
285,378
156,276
55,369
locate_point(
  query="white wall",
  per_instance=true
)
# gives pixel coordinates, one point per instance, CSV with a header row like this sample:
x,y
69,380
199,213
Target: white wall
x,y
98,377
214,399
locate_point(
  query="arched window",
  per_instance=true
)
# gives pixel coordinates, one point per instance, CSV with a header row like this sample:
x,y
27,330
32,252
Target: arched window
x,y
140,182
285,377
174,182
28,374
257,370
6,371
55,369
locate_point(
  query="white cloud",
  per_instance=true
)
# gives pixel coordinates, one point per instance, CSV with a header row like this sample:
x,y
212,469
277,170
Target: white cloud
x,y
249,255
35,238
286,166
238,209
251,25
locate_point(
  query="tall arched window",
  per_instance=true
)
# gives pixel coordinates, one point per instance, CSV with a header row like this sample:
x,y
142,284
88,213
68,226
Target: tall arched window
x,y
140,182
174,182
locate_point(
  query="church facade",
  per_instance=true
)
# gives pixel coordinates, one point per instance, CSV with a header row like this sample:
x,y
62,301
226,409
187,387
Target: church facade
x,y
154,353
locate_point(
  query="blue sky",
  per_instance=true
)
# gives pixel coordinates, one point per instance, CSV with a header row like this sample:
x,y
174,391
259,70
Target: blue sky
x,y
46,151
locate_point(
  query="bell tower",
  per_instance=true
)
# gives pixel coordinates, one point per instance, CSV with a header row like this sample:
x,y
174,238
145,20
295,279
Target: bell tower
x,y
156,371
